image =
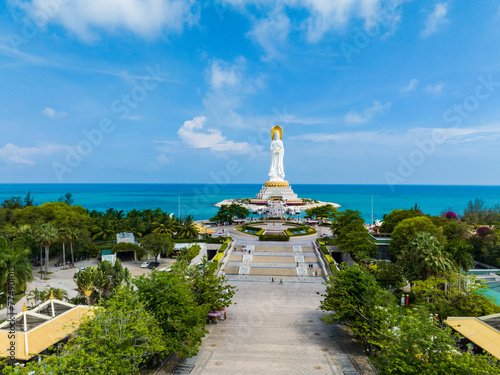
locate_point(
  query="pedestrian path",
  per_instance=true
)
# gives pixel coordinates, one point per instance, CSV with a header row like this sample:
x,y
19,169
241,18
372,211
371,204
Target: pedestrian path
x,y
276,327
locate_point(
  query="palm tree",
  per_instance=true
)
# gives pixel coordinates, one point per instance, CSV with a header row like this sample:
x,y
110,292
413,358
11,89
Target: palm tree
x,y
47,234
85,282
73,234
165,224
461,255
187,228
103,229
424,257
19,258
64,236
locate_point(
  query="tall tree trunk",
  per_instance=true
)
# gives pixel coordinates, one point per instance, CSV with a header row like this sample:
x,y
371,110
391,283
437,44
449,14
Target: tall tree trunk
x,y
72,257
64,255
46,260
41,262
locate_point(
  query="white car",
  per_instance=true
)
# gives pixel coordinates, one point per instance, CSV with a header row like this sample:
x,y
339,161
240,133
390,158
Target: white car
x,y
165,269
144,264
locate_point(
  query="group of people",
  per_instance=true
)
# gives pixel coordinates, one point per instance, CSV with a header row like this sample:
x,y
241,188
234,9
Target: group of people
x,y
281,280
244,248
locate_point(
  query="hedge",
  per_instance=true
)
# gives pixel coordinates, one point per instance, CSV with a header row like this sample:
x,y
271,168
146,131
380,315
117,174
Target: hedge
x,y
323,247
224,246
329,258
332,267
274,237
308,230
258,233
218,257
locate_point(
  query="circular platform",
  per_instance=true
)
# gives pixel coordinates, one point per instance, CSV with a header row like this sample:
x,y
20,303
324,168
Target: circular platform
x,y
276,184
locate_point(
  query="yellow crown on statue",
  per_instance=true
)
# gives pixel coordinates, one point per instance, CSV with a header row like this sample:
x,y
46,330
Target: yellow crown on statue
x,y
276,184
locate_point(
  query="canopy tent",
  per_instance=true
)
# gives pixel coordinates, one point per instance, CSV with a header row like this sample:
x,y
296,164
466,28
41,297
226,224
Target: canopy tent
x,y
483,331
203,230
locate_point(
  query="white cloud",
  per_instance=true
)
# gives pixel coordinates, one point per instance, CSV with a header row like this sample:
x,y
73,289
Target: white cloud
x,y
323,16
436,89
146,18
194,134
412,85
272,34
355,118
52,113
13,154
223,74
436,20
162,159
403,139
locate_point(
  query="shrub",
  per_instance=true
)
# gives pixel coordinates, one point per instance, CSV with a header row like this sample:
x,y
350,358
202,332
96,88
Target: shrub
x,y
332,267
274,237
224,246
329,258
218,257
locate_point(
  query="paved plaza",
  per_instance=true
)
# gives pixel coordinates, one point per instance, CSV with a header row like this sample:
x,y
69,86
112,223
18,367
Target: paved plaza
x,y
276,329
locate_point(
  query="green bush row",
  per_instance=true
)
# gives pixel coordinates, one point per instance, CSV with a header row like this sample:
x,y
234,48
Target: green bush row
x,y
224,246
274,237
323,247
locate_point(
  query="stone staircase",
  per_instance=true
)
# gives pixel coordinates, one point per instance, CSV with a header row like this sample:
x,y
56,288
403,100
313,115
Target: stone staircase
x,y
271,260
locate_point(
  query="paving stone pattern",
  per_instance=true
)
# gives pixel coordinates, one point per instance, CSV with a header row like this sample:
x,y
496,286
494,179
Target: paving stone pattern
x,y
276,329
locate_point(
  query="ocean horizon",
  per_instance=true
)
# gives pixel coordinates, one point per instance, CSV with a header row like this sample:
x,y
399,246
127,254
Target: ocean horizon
x,y
198,199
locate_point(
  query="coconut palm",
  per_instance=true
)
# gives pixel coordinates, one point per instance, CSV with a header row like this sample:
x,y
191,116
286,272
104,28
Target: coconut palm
x,y
187,228
18,259
103,229
85,282
460,253
46,235
165,224
424,257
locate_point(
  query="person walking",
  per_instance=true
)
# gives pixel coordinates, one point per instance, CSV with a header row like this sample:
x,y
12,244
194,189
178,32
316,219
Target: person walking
x,y
272,279
281,281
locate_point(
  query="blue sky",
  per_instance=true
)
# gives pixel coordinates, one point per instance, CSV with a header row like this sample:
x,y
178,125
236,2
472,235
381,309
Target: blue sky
x,y
367,91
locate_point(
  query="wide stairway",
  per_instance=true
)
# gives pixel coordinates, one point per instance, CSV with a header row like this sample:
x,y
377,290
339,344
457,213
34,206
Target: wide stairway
x,y
274,260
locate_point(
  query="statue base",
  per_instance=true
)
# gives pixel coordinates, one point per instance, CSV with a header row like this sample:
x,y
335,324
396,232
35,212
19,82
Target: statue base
x,y
277,190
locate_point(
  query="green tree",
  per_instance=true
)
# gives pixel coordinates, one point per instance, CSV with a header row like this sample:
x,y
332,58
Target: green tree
x,y
422,347
392,219
187,228
424,257
211,292
189,253
344,218
353,297
355,240
326,211
461,254
157,244
46,234
86,283
454,294
227,213
406,230
14,259
115,340
168,296
165,224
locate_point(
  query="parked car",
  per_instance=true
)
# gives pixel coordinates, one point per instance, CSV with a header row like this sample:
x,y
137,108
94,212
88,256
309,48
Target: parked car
x,y
153,265
144,264
165,269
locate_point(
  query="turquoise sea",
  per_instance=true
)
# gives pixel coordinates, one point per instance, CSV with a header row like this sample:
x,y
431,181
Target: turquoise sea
x,y
198,199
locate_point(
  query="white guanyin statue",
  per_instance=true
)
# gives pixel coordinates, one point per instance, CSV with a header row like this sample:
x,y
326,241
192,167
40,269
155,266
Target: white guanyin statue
x,y
276,171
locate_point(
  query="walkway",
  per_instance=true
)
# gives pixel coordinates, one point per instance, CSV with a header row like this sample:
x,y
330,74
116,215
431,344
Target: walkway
x,y
276,329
